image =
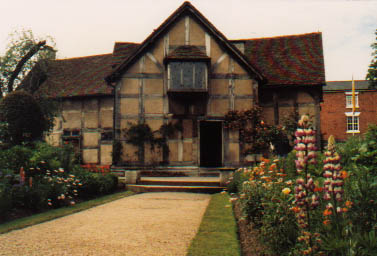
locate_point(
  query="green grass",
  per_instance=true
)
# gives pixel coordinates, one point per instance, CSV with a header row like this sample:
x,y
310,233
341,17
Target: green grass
x,y
217,233
61,212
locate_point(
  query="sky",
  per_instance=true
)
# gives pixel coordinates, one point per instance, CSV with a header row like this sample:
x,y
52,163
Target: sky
x,y
90,27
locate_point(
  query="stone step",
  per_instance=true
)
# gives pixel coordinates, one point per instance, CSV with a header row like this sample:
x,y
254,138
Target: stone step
x,y
180,181
167,188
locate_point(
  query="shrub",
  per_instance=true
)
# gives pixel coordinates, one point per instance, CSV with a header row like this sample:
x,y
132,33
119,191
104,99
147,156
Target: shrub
x,y
95,184
23,117
267,207
16,157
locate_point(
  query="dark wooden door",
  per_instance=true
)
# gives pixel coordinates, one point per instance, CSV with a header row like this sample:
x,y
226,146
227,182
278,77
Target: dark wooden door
x,y
211,143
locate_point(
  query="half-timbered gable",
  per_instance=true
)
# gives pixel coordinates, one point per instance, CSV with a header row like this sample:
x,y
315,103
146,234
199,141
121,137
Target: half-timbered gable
x,y
186,75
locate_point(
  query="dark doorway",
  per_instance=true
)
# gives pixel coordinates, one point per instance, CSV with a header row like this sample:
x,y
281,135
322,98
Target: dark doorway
x,y
211,143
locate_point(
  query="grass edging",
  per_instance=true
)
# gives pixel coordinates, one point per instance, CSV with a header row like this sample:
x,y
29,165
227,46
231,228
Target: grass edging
x,y
217,234
60,212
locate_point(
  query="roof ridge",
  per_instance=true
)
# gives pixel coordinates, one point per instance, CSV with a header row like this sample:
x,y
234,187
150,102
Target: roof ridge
x,y
89,56
121,42
357,80
274,37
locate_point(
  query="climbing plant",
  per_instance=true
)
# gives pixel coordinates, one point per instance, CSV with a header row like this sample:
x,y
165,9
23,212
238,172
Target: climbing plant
x,y
141,134
256,136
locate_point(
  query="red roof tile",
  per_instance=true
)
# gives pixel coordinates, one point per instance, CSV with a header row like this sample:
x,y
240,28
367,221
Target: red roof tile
x,y
288,60
77,77
83,76
121,51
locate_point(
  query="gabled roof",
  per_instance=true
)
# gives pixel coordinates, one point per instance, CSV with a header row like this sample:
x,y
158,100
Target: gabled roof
x,y
288,60
185,8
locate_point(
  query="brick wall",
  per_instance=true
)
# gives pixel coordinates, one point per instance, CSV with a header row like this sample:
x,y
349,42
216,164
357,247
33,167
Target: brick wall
x,y
333,109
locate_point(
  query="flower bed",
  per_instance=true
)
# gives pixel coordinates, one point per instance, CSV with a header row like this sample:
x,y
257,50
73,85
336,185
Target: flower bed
x,y
30,185
301,207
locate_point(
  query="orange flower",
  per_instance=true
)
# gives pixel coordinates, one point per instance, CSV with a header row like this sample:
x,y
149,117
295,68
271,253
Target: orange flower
x,y
348,204
318,189
265,160
344,209
326,222
286,191
296,209
327,212
344,174
272,167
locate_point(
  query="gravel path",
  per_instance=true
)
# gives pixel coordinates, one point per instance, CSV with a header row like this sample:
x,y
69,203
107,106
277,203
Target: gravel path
x,y
145,224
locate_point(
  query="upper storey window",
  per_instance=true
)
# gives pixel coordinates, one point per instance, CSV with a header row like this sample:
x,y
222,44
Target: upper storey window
x,y
187,75
349,102
187,69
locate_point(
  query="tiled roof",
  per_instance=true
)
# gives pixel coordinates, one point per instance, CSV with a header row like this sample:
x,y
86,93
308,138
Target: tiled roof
x,y
83,76
121,51
288,60
346,85
187,52
77,77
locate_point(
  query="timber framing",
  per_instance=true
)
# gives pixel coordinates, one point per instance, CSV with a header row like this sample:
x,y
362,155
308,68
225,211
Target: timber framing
x,y
185,74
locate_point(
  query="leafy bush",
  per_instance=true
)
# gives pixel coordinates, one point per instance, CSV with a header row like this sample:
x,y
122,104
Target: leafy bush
x,y
32,179
15,158
95,184
23,117
266,205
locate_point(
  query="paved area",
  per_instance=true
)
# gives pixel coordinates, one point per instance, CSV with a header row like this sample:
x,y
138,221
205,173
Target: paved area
x,y
145,224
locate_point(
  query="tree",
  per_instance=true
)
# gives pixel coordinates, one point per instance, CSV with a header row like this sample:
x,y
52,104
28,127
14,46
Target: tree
x,y
22,118
372,71
24,51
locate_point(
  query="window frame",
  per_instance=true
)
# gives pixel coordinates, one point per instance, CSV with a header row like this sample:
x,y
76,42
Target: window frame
x,y
355,121
193,87
349,100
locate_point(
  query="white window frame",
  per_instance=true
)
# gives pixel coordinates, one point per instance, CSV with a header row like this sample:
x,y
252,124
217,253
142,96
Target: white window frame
x,y
349,99
355,119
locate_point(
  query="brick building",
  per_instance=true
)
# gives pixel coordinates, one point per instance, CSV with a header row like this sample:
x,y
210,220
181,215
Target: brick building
x,y
337,117
186,74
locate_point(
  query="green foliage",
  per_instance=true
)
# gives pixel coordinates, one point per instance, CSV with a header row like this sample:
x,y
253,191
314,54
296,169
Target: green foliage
x,y
255,135
367,154
44,184
234,184
267,207
372,71
346,227
14,158
141,134
24,118
20,43
95,184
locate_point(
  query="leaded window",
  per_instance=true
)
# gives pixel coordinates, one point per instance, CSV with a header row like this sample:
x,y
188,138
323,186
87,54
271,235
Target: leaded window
x,y
187,75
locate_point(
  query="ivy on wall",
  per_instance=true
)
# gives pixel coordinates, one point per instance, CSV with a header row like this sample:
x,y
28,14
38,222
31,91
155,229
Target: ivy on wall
x,y
256,136
141,134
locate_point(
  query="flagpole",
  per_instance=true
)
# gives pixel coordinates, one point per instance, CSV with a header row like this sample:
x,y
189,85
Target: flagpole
x,y
353,104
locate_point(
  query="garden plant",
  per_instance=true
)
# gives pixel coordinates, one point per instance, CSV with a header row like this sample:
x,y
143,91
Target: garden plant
x,y
314,203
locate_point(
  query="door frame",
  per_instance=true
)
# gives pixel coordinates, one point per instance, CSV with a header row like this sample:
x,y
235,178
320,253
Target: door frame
x,y
221,123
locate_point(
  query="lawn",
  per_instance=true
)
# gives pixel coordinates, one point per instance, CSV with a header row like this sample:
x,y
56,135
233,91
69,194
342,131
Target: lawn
x,y
217,233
